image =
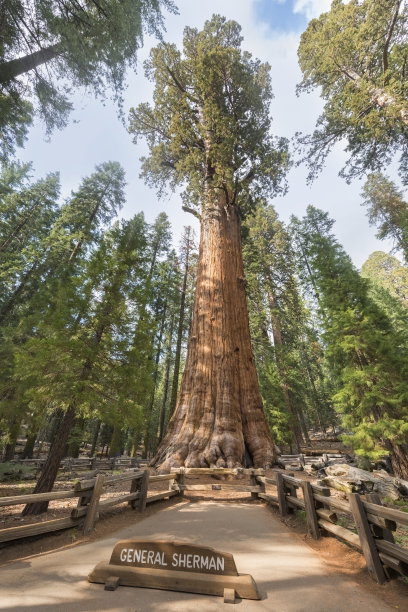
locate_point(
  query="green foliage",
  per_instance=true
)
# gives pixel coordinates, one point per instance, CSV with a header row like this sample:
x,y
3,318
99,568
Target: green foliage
x,y
366,353
49,45
356,54
387,271
209,126
388,210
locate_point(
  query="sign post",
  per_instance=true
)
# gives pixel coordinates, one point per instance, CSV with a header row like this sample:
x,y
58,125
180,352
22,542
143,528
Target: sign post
x,y
174,566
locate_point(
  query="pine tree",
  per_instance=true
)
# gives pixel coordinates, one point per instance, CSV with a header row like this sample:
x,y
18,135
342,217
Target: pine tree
x,y
368,356
356,54
47,45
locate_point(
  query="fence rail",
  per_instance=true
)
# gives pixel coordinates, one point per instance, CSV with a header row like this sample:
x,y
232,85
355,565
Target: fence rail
x,y
89,506
374,523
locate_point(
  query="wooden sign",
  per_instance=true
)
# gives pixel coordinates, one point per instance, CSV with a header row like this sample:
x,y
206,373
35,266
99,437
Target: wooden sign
x,y
173,556
173,566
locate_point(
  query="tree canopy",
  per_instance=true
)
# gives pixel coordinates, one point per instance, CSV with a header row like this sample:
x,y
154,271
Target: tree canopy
x,y
210,124
357,54
49,46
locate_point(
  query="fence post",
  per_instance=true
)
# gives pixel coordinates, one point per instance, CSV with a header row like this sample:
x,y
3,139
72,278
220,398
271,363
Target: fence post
x,y
92,514
310,508
280,487
140,484
370,551
144,485
254,483
180,480
380,532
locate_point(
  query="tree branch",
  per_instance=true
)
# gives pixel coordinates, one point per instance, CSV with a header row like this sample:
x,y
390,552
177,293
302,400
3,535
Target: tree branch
x,y
388,39
192,211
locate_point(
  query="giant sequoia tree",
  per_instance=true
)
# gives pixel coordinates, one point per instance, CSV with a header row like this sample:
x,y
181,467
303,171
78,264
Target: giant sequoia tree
x,y
209,131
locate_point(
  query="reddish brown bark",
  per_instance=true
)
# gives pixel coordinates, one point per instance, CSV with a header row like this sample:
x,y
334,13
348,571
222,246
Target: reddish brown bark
x,y
219,415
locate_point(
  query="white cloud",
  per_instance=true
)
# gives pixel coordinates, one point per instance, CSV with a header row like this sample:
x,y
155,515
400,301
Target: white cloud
x,y
311,8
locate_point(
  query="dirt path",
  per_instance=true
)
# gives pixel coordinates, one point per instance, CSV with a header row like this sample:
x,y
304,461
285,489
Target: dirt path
x,y
290,576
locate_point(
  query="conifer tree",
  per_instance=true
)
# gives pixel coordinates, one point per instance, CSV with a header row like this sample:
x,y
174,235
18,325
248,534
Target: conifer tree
x,y
388,210
356,53
47,45
368,356
209,130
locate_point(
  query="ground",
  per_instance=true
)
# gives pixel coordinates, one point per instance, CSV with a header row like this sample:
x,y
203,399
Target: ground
x,y
290,575
338,559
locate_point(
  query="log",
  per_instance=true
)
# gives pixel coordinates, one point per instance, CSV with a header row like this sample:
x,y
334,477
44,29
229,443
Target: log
x,y
221,487
114,501
222,471
327,515
354,480
270,499
160,496
280,486
310,508
295,502
388,513
368,544
91,515
161,477
394,564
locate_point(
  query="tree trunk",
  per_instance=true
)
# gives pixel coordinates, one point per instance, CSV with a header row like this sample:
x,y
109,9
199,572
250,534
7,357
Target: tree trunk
x,y
13,68
115,441
11,445
166,380
30,442
219,409
95,438
148,420
278,343
51,467
174,388
74,445
399,459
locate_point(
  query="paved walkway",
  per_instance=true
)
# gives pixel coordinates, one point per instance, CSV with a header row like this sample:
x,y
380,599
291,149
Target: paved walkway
x,y
290,576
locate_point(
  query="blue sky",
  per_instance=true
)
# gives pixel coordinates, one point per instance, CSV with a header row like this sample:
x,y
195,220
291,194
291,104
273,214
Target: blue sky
x,y
280,15
271,31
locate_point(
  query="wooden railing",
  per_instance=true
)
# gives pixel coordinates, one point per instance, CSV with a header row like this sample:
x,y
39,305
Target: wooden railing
x,y
90,505
374,523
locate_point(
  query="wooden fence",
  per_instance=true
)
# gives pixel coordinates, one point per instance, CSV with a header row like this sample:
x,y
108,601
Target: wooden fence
x,y
90,504
373,522
87,463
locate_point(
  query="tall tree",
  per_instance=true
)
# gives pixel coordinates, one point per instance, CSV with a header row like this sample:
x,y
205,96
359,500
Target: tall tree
x,y
367,354
47,45
186,248
388,210
209,130
96,345
357,54
387,271
268,258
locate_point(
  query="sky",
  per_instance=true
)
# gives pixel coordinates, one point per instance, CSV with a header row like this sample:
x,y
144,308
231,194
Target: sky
x,y
271,31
